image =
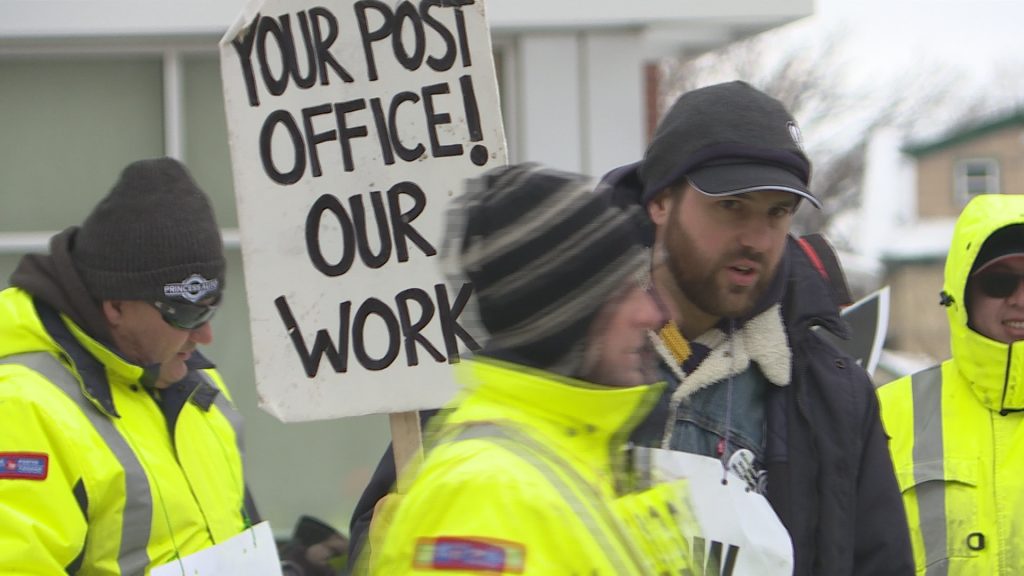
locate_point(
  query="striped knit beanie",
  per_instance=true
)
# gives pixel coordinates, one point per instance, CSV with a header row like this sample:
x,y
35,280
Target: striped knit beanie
x,y
153,237
544,254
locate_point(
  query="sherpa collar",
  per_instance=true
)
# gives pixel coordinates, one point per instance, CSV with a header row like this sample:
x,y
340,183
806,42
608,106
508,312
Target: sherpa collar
x,y
762,340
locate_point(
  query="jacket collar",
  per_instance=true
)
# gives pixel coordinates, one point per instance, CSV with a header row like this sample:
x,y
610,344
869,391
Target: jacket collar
x,y
96,364
93,362
761,340
54,279
808,300
592,419
993,370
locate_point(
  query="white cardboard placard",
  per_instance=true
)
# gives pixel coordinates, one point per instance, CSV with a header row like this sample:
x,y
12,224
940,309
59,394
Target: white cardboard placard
x,y
352,125
250,553
739,534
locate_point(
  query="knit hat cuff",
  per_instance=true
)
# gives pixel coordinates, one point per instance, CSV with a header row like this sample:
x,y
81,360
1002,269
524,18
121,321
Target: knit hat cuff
x,y
192,282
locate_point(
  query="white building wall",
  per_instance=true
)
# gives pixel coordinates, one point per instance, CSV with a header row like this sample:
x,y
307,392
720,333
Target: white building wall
x,y
578,99
889,196
612,100
548,91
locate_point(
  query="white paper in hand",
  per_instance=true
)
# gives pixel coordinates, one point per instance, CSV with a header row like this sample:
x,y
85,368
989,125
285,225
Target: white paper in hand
x,y
740,534
251,553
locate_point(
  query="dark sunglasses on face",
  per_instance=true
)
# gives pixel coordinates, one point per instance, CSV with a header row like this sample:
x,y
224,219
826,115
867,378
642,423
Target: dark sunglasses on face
x,y
184,315
998,284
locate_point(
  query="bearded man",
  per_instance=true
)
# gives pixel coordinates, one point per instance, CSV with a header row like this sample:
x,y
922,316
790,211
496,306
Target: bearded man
x,y
761,391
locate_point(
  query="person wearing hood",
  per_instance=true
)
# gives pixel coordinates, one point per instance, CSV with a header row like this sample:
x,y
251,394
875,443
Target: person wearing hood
x,y
528,473
120,448
760,390
957,428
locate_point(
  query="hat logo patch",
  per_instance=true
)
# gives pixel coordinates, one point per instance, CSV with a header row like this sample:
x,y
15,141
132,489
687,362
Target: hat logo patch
x,y
796,135
194,288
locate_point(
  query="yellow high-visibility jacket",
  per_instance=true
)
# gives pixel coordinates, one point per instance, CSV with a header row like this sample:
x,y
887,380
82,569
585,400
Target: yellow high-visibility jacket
x,y
521,479
92,479
957,430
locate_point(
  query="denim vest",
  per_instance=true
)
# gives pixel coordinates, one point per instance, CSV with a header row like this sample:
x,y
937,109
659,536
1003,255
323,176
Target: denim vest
x,y
699,423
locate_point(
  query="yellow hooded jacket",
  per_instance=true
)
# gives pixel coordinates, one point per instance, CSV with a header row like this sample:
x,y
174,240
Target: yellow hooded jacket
x,y
522,480
957,429
92,481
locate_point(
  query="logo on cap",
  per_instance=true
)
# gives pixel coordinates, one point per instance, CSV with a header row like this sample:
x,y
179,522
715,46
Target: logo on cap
x,y
194,288
796,135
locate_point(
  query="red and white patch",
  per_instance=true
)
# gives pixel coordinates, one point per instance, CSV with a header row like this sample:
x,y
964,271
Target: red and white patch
x,y
460,554
24,465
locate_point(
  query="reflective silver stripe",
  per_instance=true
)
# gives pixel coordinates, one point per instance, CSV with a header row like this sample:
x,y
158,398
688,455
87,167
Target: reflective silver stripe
x,y
138,505
546,461
228,410
220,400
926,388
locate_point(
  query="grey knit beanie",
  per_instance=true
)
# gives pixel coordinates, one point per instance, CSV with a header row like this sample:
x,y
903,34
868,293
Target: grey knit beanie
x,y
544,254
153,237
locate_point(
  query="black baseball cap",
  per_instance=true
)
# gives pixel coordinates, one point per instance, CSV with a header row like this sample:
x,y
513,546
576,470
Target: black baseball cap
x,y
723,139
1002,244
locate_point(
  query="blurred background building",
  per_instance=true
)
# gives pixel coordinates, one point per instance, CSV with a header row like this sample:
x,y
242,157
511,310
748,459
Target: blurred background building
x,y
913,192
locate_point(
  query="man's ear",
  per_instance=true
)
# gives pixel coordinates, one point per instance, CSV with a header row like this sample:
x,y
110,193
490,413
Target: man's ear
x,y
112,311
660,207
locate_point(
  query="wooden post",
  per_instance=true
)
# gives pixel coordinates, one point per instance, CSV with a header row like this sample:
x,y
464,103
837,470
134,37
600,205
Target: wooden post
x,y
407,445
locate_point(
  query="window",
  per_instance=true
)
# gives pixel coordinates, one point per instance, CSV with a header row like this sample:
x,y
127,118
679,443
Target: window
x,y
974,176
70,124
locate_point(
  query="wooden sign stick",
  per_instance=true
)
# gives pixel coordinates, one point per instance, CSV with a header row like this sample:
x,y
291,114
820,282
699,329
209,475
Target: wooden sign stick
x,y
407,445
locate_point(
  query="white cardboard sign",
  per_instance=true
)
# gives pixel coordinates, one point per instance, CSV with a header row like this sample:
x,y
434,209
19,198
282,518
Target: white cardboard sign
x,y
253,552
352,125
739,534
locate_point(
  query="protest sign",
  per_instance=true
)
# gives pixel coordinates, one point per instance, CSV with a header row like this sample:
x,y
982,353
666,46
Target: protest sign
x,y
868,322
352,125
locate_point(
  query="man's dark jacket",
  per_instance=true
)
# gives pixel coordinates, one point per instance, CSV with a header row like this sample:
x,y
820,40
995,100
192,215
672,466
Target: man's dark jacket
x,y
830,477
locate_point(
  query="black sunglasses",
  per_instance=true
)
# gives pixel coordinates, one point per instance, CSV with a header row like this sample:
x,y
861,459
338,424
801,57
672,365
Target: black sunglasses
x,y
184,315
998,284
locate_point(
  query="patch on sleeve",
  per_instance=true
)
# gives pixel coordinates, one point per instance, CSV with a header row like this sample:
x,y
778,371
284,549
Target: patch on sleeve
x,y
478,554
24,465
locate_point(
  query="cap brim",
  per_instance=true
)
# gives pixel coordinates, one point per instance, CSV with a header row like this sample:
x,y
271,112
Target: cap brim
x,y
732,179
1001,258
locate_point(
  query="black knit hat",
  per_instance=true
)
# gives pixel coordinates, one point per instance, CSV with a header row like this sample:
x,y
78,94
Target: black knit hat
x,y
544,254
153,237
724,139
